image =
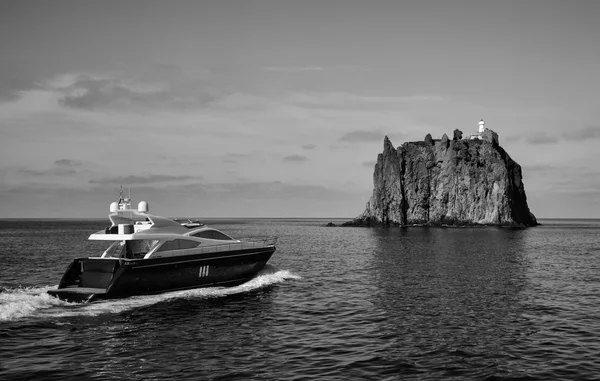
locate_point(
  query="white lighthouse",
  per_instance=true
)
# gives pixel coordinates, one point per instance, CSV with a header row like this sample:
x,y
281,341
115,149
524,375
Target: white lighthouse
x,y
481,126
480,131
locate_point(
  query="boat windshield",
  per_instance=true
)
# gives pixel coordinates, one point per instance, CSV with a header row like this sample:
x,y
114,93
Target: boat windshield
x,y
133,249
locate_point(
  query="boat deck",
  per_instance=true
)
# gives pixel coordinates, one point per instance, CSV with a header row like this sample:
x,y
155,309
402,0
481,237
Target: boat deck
x,y
78,294
81,290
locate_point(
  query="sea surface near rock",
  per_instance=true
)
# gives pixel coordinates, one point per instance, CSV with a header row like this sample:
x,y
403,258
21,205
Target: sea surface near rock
x,y
447,182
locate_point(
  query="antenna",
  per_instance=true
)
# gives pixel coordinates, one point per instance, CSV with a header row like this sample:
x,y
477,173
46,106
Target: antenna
x,y
124,202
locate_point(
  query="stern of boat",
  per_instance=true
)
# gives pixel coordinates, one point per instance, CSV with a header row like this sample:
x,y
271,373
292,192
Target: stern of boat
x,y
86,279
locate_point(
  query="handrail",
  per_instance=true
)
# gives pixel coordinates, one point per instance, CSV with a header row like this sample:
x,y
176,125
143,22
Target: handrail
x,y
267,240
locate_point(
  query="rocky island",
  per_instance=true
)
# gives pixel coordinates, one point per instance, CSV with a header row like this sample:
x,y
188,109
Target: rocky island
x,y
471,181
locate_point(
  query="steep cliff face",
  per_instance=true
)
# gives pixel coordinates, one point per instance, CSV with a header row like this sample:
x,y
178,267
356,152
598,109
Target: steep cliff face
x,y
454,182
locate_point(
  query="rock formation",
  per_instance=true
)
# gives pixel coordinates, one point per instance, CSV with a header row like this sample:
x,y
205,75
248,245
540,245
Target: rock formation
x,y
447,182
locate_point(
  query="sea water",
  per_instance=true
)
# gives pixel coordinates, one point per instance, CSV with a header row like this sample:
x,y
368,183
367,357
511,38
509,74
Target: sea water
x,y
333,303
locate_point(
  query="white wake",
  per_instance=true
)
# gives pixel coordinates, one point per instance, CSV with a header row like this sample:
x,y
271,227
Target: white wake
x,y
20,303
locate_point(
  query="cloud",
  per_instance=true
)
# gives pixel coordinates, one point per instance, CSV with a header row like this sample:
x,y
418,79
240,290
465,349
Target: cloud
x,y
241,155
590,132
148,179
111,92
309,147
575,187
48,172
61,168
351,101
369,164
10,88
237,157
512,138
541,138
294,69
19,76
241,101
362,136
587,133
67,163
295,158
540,168
263,190
308,68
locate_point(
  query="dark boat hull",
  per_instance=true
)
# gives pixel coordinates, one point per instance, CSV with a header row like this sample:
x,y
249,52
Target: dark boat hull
x,y
88,279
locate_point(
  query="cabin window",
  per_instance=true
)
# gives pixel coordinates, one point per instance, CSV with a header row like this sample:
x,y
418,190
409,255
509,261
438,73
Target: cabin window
x,y
212,234
178,244
139,248
114,250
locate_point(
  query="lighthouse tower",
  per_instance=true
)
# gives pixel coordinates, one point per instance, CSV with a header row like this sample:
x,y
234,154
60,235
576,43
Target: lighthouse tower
x,y
479,134
481,126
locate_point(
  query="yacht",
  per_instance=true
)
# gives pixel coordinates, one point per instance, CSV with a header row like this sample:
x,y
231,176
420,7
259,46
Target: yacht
x,y
152,254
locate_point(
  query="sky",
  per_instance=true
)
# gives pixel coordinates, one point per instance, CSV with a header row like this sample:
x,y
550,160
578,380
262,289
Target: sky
x,y
279,108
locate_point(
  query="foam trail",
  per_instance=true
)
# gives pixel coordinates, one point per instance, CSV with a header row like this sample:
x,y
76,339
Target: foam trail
x,y
16,303
265,278
35,302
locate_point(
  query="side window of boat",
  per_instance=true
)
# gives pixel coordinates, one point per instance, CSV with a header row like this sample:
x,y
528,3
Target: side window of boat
x,y
212,234
114,250
187,244
140,247
178,244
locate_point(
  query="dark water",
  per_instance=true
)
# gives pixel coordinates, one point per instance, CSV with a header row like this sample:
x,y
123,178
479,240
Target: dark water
x,y
333,304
